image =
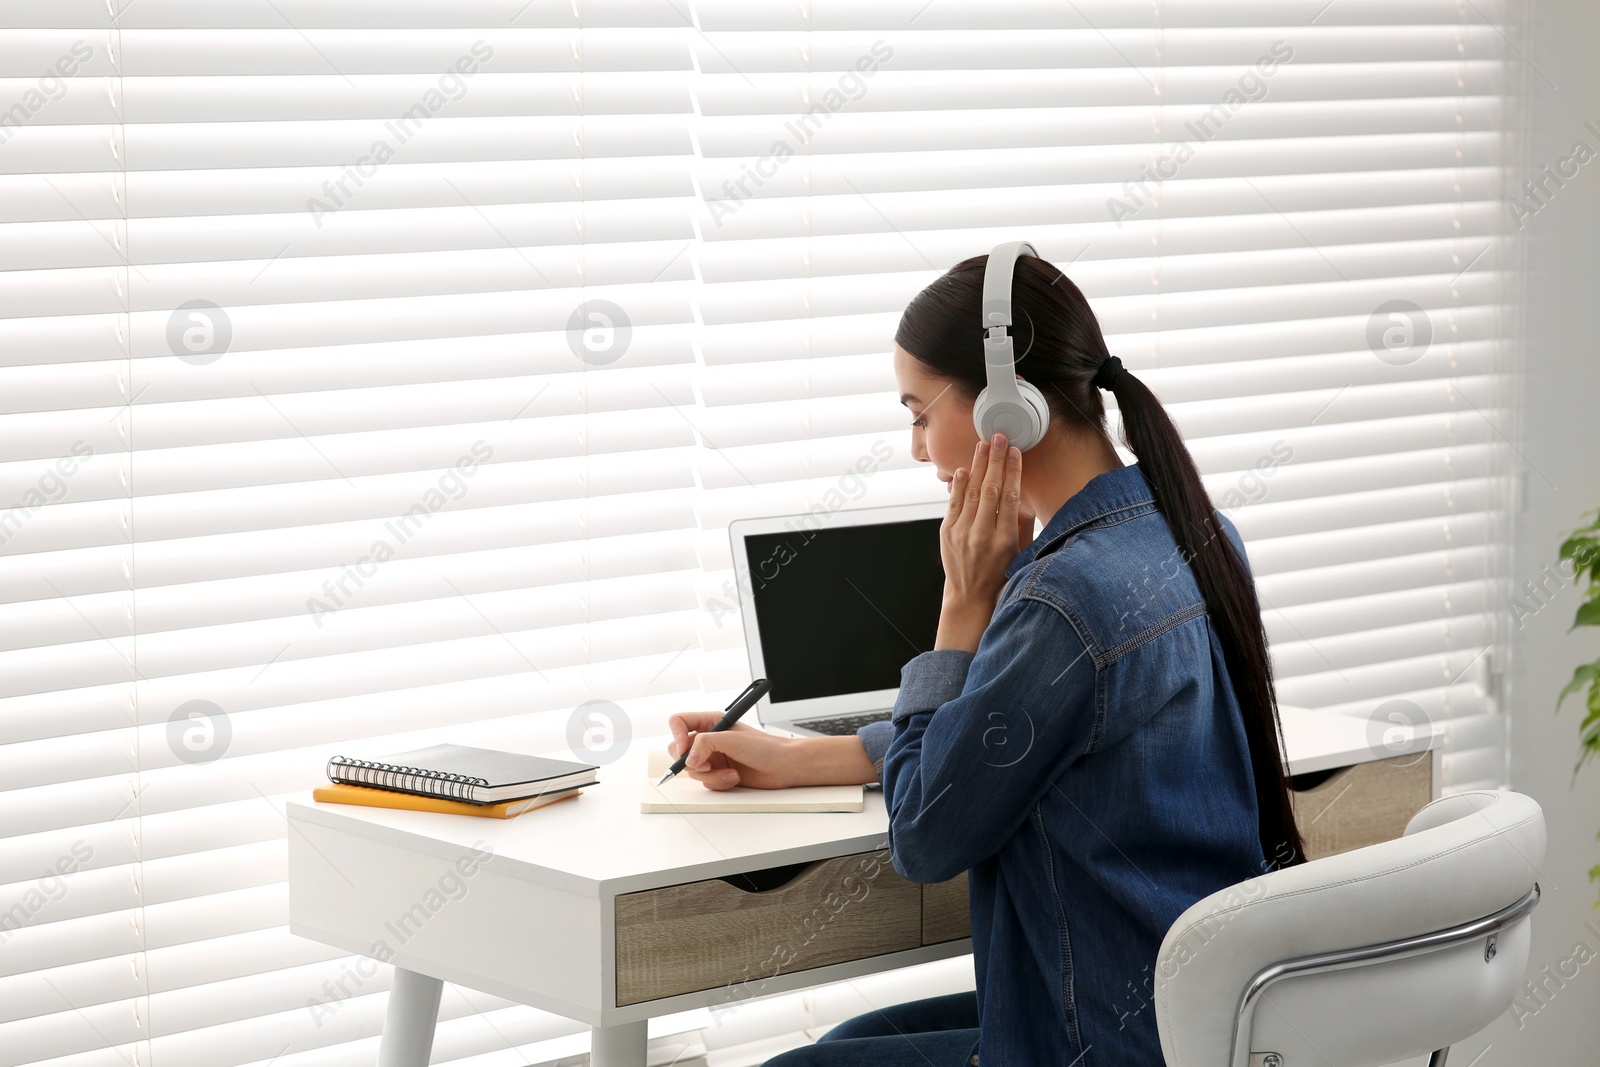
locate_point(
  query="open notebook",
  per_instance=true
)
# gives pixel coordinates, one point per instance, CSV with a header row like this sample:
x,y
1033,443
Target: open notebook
x,y
684,794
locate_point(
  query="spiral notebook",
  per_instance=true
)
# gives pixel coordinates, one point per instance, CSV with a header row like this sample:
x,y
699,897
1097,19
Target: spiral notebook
x,y
458,772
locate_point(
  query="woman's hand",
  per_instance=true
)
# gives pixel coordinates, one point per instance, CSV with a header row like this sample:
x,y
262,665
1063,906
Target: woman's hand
x,y
982,532
740,755
750,757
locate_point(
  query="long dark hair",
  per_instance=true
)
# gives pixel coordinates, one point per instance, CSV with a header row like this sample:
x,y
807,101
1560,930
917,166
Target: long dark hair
x,y
1059,348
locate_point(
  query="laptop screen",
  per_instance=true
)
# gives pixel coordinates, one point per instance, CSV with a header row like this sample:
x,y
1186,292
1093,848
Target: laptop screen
x,y
841,610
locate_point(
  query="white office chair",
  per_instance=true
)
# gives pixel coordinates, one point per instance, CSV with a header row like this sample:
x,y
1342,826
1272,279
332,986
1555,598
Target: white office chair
x,y
1370,957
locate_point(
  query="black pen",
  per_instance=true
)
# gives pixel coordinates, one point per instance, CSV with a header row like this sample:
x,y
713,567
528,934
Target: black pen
x,y
741,704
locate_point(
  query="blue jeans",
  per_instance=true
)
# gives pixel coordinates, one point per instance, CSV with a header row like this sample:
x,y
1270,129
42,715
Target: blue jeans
x,y
935,1032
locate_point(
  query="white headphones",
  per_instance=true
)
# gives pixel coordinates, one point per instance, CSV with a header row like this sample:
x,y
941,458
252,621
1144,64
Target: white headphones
x,y
1007,405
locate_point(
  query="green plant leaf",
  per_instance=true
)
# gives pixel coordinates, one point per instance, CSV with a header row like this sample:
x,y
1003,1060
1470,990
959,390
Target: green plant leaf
x,y
1584,675
1580,542
1582,547
1589,732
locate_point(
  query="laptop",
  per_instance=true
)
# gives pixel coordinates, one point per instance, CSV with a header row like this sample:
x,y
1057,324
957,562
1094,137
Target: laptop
x,y
834,604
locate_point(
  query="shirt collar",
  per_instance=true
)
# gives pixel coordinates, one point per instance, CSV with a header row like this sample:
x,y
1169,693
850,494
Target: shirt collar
x,y
1124,487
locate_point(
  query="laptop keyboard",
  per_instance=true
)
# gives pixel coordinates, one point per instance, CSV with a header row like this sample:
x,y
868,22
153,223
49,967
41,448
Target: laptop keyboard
x,y
843,724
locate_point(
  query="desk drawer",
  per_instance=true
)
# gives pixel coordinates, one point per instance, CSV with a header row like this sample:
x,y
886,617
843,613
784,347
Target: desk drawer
x,y
744,929
1362,804
944,911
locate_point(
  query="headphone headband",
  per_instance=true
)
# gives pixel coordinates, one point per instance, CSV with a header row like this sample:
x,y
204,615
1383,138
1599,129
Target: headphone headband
x,y
1007,404
998,352
997,275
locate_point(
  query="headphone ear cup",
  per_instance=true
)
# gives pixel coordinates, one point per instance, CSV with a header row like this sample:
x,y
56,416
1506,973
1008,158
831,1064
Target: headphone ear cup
x,y
980,413
1023,424
1035,400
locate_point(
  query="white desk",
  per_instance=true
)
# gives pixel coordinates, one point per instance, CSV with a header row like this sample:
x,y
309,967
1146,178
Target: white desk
x,y
538,919
1320,741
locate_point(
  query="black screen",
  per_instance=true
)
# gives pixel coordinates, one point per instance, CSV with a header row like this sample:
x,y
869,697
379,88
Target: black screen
x,y
842,610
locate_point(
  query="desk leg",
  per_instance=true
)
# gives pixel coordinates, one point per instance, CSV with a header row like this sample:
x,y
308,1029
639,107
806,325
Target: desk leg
x,y
408,1024
618,1045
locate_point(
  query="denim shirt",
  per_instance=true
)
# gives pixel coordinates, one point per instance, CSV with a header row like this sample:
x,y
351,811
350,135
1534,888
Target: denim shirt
x,y
1087,767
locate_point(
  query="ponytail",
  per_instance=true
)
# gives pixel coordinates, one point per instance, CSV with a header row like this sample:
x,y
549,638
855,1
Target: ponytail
x,y
1064,354
1231,602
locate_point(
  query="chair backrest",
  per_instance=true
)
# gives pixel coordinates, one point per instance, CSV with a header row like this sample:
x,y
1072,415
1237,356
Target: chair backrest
x,y
1469,858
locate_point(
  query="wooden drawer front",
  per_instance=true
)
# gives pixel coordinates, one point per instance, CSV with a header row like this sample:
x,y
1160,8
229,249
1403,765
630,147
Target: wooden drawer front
x,y
944,911
1363,804
700,935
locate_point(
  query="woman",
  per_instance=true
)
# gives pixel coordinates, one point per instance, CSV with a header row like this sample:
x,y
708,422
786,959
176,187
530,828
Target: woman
x,y
1093,737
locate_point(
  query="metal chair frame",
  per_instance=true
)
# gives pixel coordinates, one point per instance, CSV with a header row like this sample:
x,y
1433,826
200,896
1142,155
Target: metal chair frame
x,y
1488,926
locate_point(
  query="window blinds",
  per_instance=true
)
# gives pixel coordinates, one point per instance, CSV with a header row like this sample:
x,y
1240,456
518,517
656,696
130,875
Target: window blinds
x,y
390,372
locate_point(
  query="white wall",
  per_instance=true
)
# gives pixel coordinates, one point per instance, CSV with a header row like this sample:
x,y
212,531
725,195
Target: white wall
x,y
1560,440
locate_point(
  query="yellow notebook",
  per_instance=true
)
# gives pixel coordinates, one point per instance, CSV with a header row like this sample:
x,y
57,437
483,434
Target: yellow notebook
x,y
339,793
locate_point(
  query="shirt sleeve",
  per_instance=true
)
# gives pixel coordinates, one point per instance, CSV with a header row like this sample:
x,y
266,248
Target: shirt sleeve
x,y
979,737
875,739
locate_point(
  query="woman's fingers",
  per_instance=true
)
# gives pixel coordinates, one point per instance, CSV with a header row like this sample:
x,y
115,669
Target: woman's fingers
x,y
992,488
1010,490
958,495
684,723
994,472
999,496
708,762
972,498
982,531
